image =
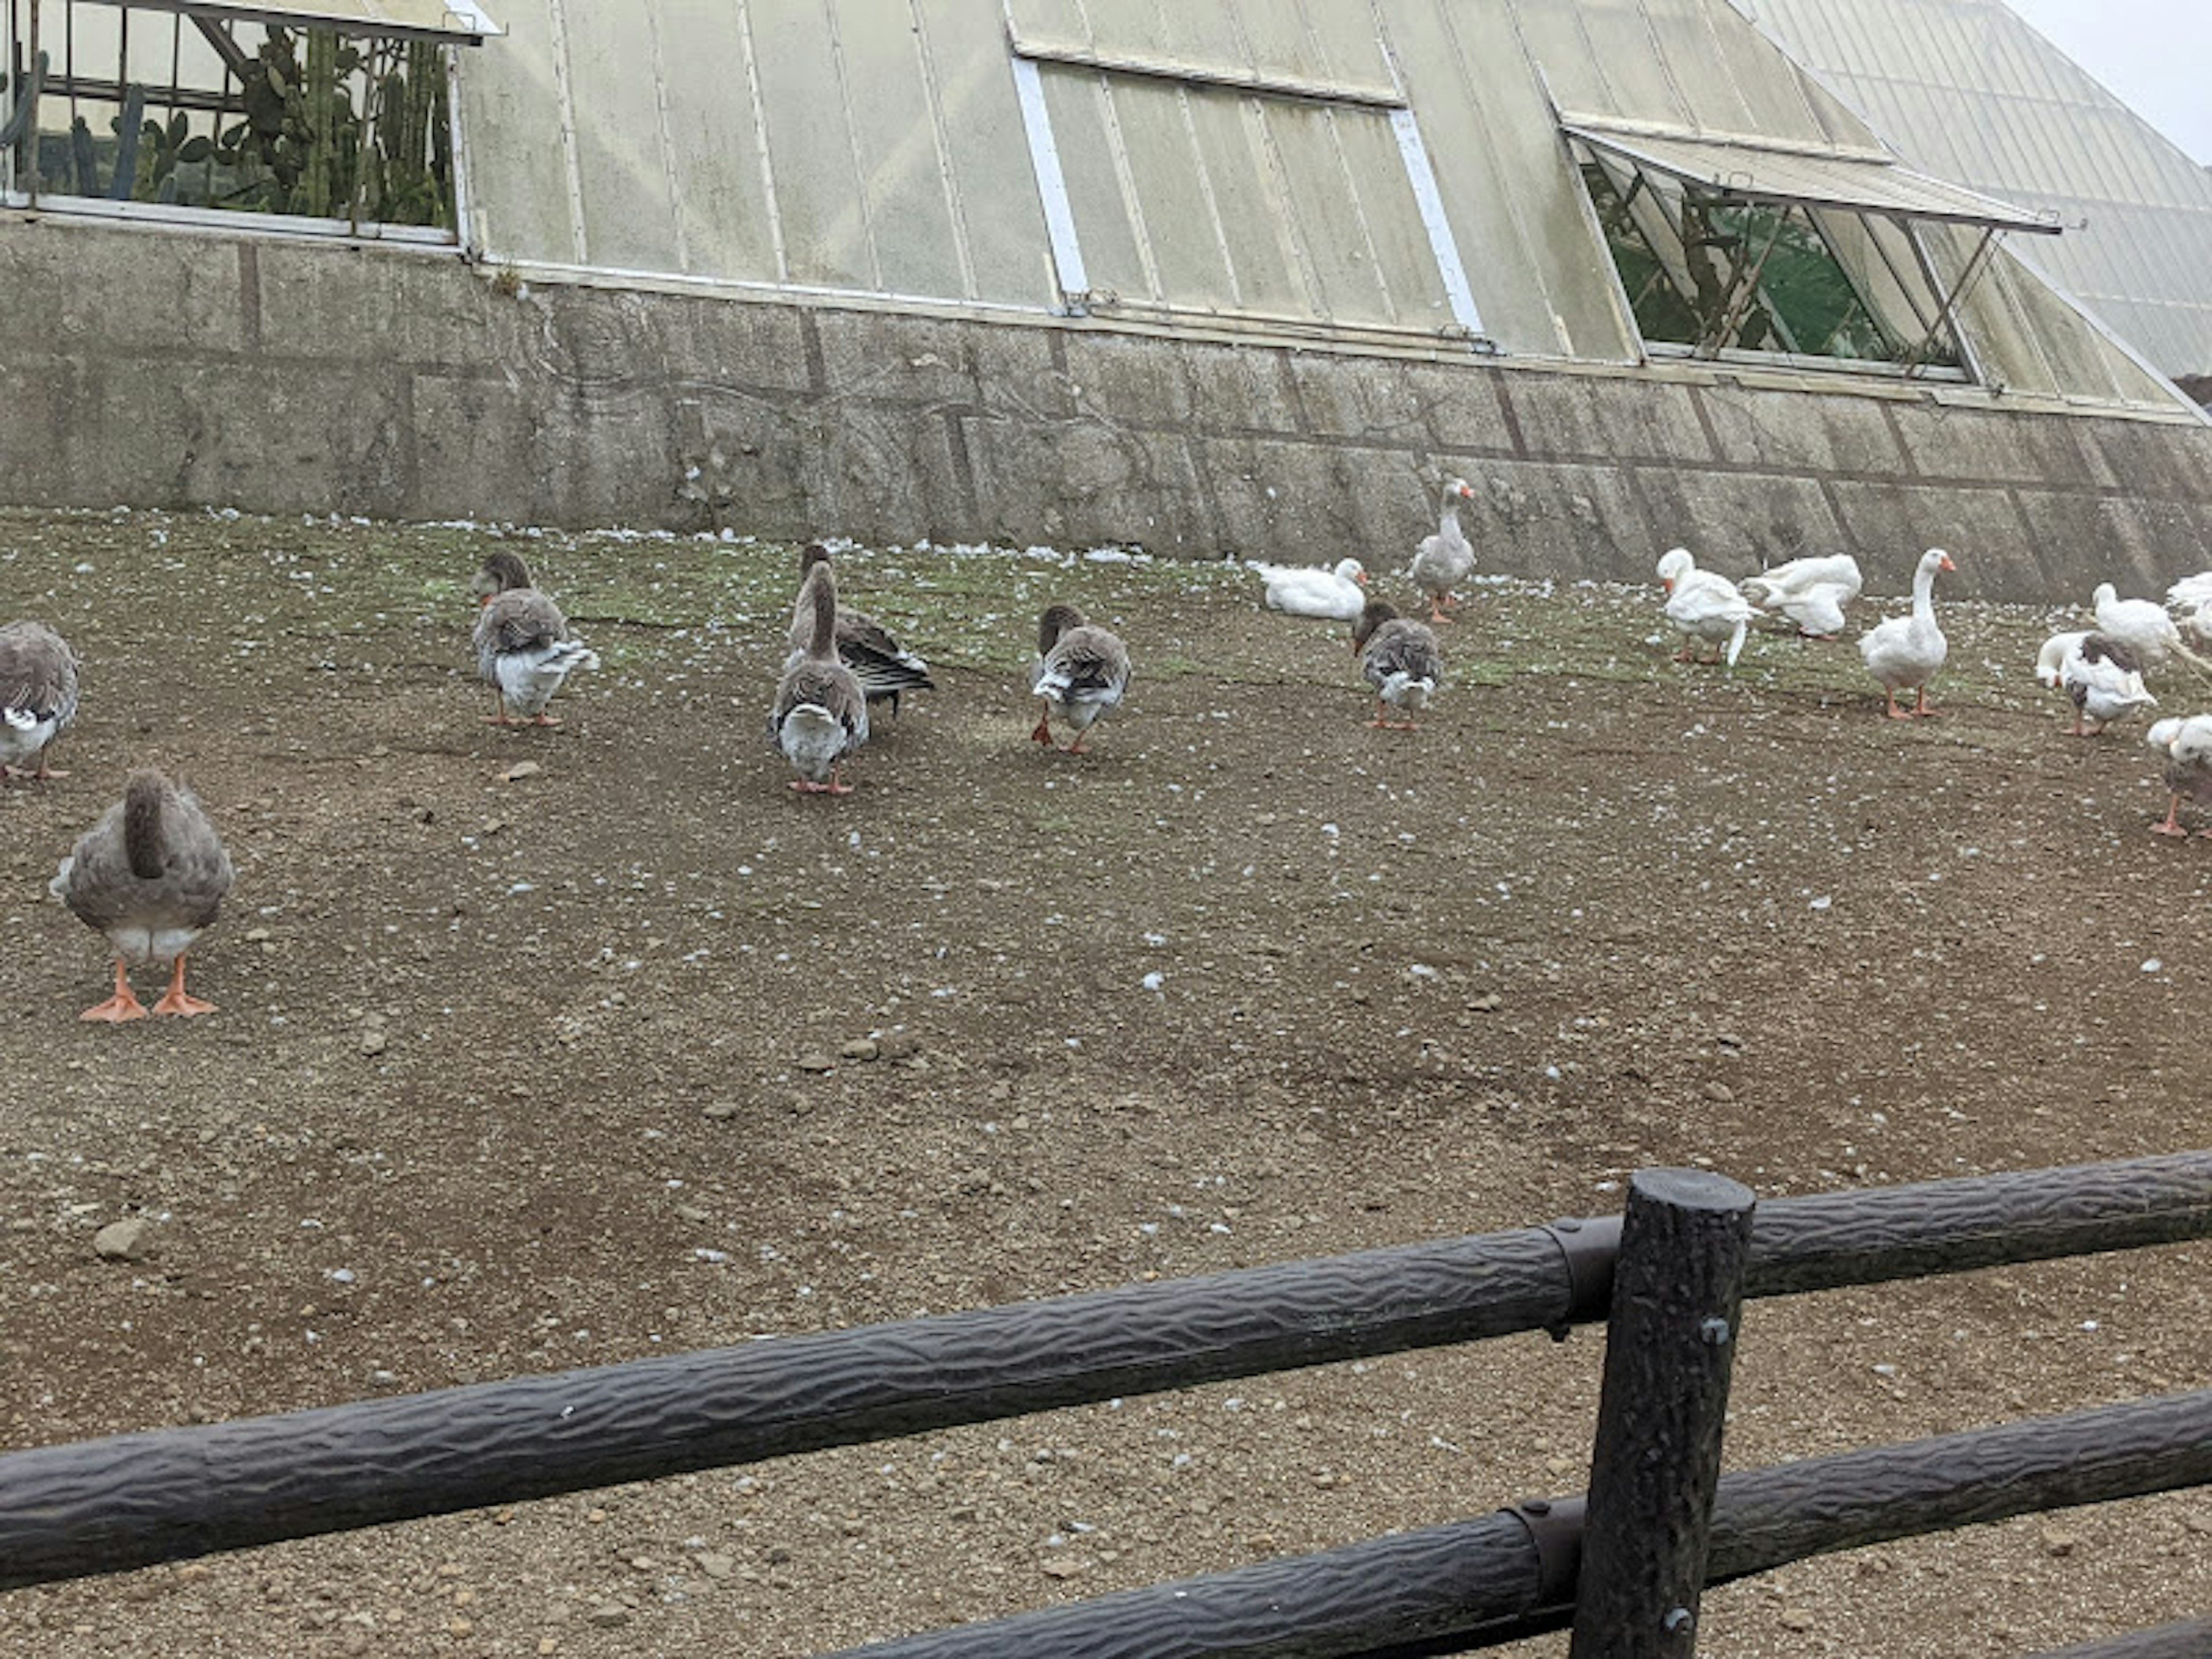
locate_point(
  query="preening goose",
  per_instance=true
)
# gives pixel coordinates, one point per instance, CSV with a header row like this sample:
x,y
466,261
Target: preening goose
x,y
885,669
2185,742
1081,672
1444,561
2191,599
1704,608
524,650
2104,682
1811,592
2051,661
1309,591
1906,653
38,698
820,714
151,875
2144,628
1401,659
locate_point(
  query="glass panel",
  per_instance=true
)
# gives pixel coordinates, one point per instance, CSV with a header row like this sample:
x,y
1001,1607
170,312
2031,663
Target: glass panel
x,y
1249,195
817,188
1000,214
900,167
512,114
1113,248
147,106
721,196
622,164
1185,238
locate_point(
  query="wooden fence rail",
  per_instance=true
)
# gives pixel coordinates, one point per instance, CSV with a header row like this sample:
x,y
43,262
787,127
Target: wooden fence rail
x,y
134,1500
1479,1583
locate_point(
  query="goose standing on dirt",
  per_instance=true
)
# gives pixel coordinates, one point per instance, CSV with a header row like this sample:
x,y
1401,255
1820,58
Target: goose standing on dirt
x,y
1401,659
2144,628
821,710
2104,682
1811,592
1081,672
1444,561
1310,590
885,669
523,646
38,698
1906,653
1704,608
2186,745
151,875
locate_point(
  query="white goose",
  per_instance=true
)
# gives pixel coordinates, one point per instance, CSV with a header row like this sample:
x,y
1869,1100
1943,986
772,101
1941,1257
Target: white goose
x,y
2193,598
1309,591
2144,628
2186,744
2051,661
1906,653
1811,592
1704,608
2104,682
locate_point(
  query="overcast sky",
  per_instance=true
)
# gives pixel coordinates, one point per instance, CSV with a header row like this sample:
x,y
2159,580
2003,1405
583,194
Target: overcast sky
x,y
2155,56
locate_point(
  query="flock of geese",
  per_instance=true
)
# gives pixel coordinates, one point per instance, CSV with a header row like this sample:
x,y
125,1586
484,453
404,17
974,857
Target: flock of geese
x,y
2101,670
152,874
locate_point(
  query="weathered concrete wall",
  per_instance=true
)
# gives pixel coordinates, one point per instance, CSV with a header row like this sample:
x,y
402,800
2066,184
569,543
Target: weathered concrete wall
x,y
168,369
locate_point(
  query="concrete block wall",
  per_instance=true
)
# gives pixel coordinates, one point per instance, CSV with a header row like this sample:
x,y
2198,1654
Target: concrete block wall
x,y
172,369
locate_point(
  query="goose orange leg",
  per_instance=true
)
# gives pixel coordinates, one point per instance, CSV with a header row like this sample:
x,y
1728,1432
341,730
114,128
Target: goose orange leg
x,y
1043,732
1895,712
175,1002
1920,705
120,1007
2171,827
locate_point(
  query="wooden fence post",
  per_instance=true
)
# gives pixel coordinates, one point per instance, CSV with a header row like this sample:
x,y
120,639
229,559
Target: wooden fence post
x,y
1677,1293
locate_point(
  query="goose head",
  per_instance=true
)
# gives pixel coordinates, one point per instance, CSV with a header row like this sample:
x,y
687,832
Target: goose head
x,y
1937,559
1056,620
1674,566
502,570
1457,490
2105,595
1376,612
814,554
1350,570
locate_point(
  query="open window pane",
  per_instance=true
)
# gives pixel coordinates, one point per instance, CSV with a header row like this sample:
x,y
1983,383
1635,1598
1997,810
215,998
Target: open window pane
x,y
154,105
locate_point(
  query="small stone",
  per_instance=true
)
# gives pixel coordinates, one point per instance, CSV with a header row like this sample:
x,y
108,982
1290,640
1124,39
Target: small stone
x,y
1728,1039
2058,1542
815,1061
692,1213
257,935
122,1241
373,1043
898,1045
609,1613
515,774
1797,1619
1719,1093
1488,1003
1060,1567
861,1049
717,1566
719,1111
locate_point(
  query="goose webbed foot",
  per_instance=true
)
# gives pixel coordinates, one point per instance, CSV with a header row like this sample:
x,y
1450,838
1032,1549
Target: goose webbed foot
x,y
174,1000
121,1006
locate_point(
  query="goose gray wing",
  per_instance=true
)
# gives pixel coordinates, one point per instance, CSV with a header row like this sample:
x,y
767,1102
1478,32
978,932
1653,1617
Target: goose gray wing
x,y
883,668
38,673
1092,662
1401,645
830,686
520,619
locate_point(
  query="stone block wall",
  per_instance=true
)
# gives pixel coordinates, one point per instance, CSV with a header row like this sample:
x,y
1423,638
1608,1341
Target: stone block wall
x,y
171,368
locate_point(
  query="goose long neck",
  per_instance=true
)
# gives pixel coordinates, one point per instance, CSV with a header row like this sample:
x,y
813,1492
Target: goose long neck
x,y
1448,521
823,641
142,826
1923,593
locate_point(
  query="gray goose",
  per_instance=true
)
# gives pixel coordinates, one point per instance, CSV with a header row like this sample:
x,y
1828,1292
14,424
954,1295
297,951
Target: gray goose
x,y
524,650
1445,560
1401,659
1081,672
884,668
821,713
38,698
151,875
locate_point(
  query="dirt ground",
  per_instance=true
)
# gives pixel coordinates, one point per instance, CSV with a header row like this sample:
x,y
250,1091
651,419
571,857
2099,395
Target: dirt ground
x,y
513,1075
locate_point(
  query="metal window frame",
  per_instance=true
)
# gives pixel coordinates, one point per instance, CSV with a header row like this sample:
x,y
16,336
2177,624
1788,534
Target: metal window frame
x,y
22,188
1072,275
